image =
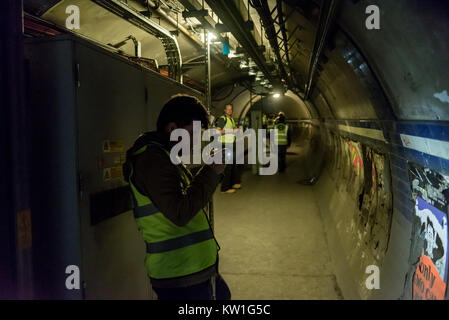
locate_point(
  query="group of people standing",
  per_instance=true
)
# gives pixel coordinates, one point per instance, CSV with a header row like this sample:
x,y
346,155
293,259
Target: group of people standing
x,y
225,125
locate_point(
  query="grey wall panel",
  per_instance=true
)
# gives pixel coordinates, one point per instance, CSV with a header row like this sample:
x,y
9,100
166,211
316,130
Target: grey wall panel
x,y
55,220
110,106
159,90
81,96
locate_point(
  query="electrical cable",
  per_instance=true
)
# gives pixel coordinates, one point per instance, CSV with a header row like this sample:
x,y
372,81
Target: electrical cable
x,y
227,95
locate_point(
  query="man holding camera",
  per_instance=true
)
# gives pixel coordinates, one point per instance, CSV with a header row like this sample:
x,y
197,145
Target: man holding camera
x,y
182,253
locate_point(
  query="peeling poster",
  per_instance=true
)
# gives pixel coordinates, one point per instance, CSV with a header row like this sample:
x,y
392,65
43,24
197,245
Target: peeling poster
x,y
430,232
427,283
434,233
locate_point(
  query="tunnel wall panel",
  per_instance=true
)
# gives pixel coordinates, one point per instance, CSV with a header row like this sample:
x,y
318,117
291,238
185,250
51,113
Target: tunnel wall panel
x,y
338,183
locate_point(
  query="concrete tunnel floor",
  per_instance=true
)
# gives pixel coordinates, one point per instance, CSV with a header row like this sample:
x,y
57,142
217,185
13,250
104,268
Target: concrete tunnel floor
x,y
272,238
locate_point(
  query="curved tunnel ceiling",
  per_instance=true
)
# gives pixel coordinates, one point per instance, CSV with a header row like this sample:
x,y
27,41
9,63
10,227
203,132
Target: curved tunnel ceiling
x,y
293,107
380,74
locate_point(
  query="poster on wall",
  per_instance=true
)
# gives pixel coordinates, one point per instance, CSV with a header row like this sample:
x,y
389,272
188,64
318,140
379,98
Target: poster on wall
x,y
430,236
430,185
434,233
427,283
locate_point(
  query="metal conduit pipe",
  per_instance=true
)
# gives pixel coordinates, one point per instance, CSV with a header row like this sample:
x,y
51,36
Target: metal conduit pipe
x,y
264,12
326,17
229,14
170,43
284,34
183,29
175,23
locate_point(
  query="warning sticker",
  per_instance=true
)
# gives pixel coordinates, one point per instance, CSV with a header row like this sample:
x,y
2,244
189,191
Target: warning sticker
x,y
113,145
112,173
427,283
106,174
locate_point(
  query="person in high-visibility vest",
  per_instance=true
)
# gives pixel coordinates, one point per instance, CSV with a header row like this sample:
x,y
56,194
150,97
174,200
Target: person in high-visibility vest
x,y
181,251
225,125
282,139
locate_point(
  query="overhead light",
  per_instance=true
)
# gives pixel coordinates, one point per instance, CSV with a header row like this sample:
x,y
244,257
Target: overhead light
x,y
211,36
232,54
243,65
276,95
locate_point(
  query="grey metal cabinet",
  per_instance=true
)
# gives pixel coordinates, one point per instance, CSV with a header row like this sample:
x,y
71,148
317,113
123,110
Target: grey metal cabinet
x,y
86,107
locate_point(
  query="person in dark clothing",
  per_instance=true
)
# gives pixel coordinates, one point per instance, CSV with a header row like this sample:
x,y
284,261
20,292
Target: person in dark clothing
x,y
283,140
226,126
182,253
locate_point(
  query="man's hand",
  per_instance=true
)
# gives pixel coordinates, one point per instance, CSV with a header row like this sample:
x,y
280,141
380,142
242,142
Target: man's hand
x,y
220,130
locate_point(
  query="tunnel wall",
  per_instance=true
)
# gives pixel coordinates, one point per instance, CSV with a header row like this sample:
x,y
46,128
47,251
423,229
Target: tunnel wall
x,y
382,95
384,166
374,226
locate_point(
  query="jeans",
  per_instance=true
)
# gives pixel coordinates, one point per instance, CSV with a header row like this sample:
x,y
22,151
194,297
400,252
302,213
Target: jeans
x,y
201,291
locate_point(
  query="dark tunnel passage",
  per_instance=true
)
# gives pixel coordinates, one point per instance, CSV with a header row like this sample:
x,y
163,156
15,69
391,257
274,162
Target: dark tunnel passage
x,y
364,200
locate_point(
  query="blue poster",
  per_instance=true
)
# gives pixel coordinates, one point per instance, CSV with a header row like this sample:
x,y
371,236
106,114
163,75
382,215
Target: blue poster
x,y
433,230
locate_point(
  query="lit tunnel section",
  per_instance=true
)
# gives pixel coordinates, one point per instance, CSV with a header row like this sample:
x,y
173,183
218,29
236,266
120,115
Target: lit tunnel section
x,y
366,190
361,154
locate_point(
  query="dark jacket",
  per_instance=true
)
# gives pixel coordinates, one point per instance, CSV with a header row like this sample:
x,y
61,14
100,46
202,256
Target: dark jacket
x,y
158,178
221,122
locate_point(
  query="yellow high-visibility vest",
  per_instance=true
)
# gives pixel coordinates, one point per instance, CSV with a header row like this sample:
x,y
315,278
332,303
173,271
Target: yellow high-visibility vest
x,y
229,125
173,251
281,130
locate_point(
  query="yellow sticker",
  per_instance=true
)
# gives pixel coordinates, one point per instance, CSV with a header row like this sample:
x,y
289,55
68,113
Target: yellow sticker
x,y
112,173
113,145
24,229
117,172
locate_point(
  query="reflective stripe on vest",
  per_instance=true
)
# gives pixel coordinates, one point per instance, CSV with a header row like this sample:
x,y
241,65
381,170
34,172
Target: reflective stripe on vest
x,y
229,125
281,130
181,242
145,211
173,251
